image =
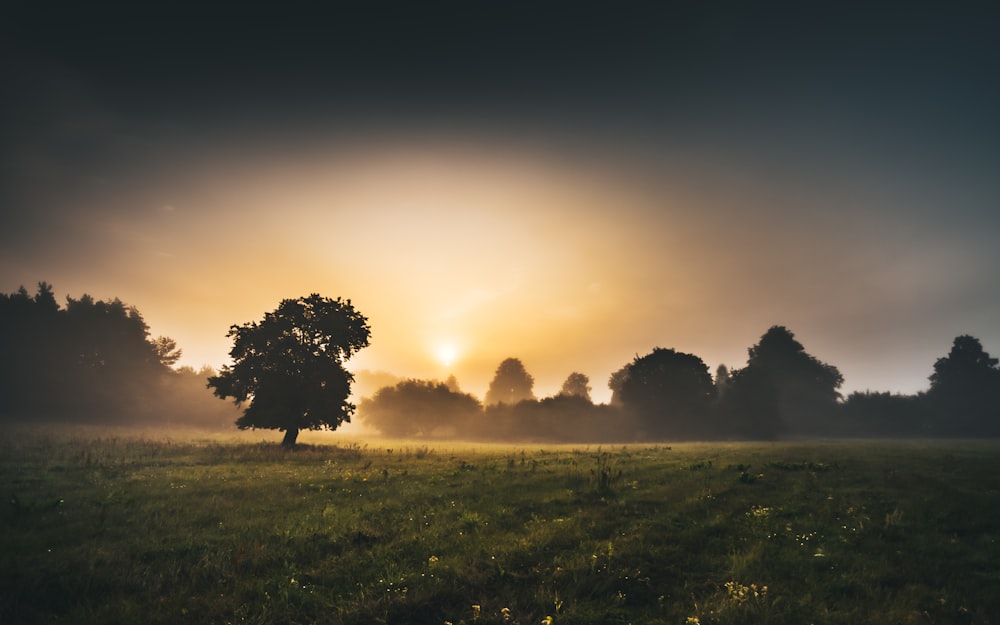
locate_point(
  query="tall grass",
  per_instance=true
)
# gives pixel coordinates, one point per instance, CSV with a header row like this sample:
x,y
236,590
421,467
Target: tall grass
x,y
141,529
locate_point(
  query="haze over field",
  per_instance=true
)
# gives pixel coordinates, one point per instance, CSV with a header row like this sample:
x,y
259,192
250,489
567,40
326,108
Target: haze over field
x,y
569,187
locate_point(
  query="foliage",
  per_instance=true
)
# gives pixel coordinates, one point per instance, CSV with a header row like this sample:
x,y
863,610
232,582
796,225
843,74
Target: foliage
x,y
563,418
90,361
419,408
122,529
782,387
873,414
616,381
965,390
576,385
722,380
511,384
290,366
670,391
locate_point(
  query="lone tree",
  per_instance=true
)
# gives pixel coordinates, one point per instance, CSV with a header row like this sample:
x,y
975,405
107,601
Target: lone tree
x,y
290,366
511,384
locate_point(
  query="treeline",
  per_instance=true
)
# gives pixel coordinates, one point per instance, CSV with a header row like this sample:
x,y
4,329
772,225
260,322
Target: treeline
x,y
94,361
782,391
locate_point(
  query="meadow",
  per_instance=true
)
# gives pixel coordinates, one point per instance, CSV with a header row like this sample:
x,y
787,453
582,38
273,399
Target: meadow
x,y
152,528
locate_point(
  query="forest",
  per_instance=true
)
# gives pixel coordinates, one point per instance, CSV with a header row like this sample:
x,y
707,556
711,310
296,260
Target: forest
x,y
95,362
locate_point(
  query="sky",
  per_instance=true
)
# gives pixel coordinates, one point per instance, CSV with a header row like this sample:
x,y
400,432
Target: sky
x,y
569,186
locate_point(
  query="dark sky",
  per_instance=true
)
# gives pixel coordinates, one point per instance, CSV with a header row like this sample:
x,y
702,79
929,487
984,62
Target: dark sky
x,y
827,166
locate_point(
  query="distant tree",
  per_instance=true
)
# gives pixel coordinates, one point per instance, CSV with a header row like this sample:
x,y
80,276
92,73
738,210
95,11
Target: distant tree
x,y
562,418
189,403
615,383
511,384
419,408
92,361
290,366
576,385
166,350
670,392
722,380
452,384
965,390
874,414
782,387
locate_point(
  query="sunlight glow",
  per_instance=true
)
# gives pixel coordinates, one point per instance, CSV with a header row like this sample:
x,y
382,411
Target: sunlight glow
x,y
447,353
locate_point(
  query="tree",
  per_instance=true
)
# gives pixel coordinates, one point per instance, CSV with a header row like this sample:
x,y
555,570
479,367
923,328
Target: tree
x,y
615,382
419,408
965,390
869,414
669,391
576,385
91,361
511,384
782,387
290,366
166,350
722,380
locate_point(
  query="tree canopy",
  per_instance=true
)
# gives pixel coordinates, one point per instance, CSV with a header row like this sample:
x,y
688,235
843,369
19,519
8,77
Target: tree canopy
x,y
290,366
420,408
781,387
965,390
669,391
511,384
90,361
576,385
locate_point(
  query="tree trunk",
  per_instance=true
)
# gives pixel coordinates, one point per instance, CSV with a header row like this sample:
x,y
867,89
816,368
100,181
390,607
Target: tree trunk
x,y
290,435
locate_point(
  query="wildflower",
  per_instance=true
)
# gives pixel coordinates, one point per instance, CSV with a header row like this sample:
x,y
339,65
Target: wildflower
x,y
547,620
432,560
505,613
692,620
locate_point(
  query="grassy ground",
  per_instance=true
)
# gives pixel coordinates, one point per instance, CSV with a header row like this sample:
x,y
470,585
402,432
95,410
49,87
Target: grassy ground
x,y
148,530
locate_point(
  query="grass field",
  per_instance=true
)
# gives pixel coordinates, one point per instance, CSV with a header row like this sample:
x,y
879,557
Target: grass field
x,y
146,529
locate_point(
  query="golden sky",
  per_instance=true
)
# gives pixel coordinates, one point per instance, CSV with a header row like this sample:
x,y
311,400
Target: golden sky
x,y
489,251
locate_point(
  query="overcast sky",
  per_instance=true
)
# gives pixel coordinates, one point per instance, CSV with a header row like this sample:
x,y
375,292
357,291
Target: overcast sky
x,y
569,186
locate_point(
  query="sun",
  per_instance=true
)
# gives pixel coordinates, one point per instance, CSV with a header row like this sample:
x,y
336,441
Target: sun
x,y
446,353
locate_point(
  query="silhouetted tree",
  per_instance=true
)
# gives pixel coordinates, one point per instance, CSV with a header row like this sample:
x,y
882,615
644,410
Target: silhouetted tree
x,y
166,351
615,382
91,361
670,392
781,387
873,414
290,366
722,380
419,408
511,384
563,418
576,385
965,391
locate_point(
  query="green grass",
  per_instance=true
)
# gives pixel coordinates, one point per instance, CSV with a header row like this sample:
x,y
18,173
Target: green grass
x,y
149,530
